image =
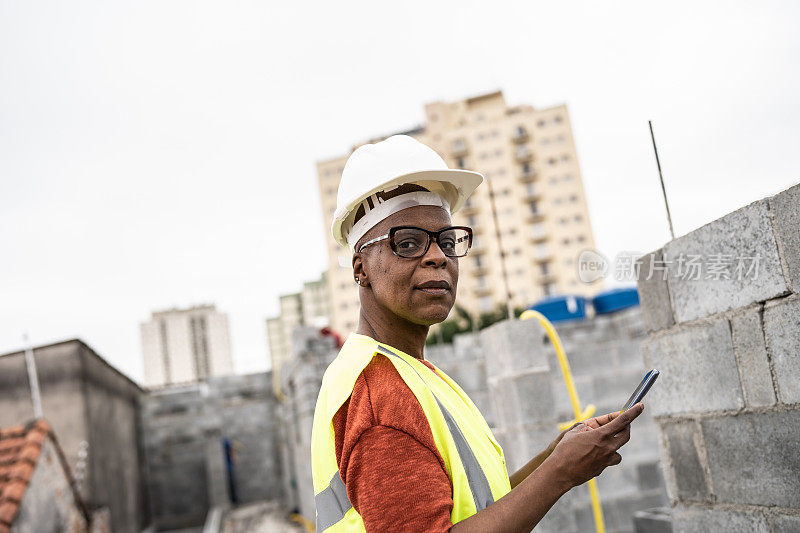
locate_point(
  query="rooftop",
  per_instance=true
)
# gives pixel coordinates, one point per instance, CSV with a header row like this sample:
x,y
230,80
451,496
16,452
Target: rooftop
x,y
20,448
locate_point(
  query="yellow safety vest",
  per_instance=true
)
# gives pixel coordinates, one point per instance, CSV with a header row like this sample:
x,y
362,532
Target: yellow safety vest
x,y
472,457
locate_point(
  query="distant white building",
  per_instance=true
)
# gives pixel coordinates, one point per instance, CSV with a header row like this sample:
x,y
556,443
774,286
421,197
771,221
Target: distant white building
x,y
308,307
185,345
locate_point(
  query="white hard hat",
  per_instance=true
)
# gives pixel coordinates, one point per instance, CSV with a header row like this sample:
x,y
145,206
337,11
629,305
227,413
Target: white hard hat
x,y
386,165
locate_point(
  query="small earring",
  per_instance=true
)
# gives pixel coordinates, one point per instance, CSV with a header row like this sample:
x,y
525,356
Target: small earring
x,y
358,281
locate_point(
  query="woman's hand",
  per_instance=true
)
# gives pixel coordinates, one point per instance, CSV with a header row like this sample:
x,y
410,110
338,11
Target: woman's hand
x,y
586,449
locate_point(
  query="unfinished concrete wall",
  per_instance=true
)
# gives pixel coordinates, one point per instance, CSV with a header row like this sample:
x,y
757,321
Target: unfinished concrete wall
x,y
722,309
88,402
183,430
300,380
529,398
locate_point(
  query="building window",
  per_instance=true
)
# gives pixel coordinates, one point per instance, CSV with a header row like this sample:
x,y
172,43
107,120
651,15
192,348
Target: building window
x,y
578,218
581,238
541,123
557,119
564,158
534,207
461,162
545,267
573,198
485,304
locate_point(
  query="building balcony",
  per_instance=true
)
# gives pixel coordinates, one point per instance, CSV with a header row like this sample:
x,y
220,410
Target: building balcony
x,y
523,153
542,253
538,236
460,148
534,216
532,193
520,135
528,175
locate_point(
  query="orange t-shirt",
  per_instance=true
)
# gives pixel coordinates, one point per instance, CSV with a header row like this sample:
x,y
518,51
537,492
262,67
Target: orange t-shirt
x,y
388,460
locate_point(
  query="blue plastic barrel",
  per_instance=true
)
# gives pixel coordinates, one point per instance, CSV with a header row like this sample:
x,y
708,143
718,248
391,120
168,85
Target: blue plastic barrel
x,y
561,307
614,300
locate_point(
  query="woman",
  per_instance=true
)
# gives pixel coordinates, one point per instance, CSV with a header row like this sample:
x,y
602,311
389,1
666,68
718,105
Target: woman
x,y
396,444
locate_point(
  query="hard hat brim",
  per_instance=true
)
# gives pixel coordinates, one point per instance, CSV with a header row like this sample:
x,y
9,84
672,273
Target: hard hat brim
x,y
464,183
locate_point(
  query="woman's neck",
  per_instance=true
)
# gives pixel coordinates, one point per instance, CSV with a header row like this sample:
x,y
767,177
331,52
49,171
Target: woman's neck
x,y
392,330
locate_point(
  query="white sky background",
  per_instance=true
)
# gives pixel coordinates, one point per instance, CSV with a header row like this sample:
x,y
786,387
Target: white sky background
x,y
155,154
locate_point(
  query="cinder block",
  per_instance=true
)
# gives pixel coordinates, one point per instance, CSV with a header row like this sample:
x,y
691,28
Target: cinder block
x,y
694,520
690,477
751,353
786,524
654,292
754,458
629,505
523,399
649,476
782,329
657,520
786,210
730,240
513,345
698,370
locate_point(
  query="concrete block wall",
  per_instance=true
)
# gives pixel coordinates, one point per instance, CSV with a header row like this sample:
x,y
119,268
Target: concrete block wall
x,y
301,379
183,428
524,398
727,341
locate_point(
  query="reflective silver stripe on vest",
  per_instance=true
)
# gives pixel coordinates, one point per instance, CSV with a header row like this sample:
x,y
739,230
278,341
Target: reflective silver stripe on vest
x,y
478,484
332,503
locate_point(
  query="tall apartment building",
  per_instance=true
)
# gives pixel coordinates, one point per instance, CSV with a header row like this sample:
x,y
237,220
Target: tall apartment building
x,y
309,307
185,345
529,160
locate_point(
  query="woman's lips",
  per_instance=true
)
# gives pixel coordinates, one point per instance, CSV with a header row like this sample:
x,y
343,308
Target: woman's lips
x,y
431,290
437,288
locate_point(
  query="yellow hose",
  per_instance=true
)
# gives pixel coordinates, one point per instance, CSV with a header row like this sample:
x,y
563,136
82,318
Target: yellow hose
x,y
303,521
580,414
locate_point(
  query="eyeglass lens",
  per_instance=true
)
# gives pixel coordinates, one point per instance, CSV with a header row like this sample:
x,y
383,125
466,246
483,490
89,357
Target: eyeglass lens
x,y
410,242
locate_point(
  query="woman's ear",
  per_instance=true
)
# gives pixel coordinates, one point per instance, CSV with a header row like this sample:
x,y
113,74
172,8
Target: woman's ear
x,y
359,275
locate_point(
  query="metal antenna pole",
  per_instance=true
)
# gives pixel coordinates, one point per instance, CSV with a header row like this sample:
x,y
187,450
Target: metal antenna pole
x,y
509,304
33,378
661,177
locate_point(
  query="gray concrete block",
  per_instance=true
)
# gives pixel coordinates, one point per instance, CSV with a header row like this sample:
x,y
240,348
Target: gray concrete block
x,y
628,506
746,233
688,472
782,330
753,458
513,345
649,476
786,524
786,211
698,370
523,399
751,354
656,520
694,520
654,292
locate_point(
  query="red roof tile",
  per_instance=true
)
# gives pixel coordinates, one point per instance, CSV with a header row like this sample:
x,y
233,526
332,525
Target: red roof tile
x,y
19,450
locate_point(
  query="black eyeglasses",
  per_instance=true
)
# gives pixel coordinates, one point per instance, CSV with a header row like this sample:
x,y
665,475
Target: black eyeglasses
x,y
410,241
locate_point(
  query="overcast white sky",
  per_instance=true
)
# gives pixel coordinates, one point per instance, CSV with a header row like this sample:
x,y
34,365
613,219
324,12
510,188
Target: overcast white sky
x,y
155,154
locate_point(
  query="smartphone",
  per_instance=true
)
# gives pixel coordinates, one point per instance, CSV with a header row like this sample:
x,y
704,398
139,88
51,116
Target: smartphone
x,y
642,389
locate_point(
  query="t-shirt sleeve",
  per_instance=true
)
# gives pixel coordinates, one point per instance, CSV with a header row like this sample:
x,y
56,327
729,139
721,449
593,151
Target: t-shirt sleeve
x,y
397,484
388,460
